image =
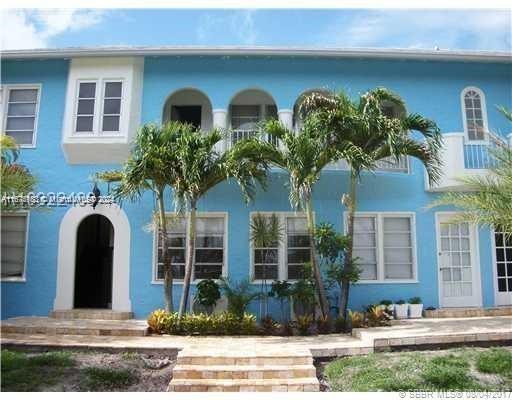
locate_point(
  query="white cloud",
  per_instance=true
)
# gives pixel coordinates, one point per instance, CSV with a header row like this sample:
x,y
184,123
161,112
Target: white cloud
x,y
447,29
29,29
238,25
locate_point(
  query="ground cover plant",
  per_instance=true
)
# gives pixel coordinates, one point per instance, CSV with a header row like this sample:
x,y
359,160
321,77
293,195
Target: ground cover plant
x,y
463,369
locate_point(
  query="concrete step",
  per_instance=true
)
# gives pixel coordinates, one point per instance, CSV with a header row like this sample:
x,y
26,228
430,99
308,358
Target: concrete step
x,y
284,359
463,312
243,371
53,326
89,313
245,385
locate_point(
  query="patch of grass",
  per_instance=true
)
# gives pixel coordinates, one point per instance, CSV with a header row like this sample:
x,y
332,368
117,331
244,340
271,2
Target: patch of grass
x,y
99,379
421,370
129,356
495,361
23,372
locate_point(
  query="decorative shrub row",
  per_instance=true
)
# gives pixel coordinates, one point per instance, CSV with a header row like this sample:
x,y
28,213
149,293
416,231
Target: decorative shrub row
x,y
160,321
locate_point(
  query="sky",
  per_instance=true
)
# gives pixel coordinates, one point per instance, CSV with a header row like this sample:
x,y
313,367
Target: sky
x,y
384,28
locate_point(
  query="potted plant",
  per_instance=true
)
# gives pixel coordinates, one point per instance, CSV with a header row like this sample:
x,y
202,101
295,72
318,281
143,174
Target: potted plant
x,y
208,293
401,309
388,306
415,307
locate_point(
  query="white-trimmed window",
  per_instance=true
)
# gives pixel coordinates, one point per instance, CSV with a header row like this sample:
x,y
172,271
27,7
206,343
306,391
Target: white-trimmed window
x,y
14,246
284,260
93,100
210,252
385,246
21,113
474,114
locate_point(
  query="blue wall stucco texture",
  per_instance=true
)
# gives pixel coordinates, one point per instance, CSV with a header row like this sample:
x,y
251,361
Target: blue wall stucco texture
x,y
429,88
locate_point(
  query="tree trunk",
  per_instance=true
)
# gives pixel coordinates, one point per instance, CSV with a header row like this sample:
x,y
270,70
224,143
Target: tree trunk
x,y
324,306
191,245
162,227
351,205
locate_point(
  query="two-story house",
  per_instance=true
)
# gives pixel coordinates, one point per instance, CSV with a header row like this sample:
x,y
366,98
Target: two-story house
x,y
74,112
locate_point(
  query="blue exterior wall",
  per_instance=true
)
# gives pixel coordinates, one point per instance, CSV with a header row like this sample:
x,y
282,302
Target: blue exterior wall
x,y
429,88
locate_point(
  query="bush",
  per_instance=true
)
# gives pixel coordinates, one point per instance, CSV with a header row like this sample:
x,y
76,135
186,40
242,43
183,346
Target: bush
x,y
415,300
304,323
356,319
377,316
339,324
208,292
323,325
269,325
202,324
239,296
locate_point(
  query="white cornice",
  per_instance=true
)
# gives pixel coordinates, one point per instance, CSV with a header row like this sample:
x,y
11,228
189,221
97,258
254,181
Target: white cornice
x,y
443,55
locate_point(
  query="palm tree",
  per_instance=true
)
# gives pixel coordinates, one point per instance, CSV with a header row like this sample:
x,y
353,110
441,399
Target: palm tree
x,y
378,126
199,167
150,168
266,232
304,155
15,178
487,200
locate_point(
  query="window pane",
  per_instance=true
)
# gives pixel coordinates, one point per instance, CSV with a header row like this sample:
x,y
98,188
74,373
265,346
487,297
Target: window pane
x,y
368,271
364,224
266,256
86,107
210,225
265,272
296,225
397,239
84,124
28,95
112,106
364,239
298,241
209,256
398,271
22,109
365,255
209,241
295,271
397,255
397,224
87,90
113,89
110,124
22,137
298,256
20,123
207,271
13,246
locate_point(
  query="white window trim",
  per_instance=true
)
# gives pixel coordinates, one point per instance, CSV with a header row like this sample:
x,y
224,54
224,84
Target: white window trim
x,y
102,107
282,252
213,214
23,278
5,103
484,115
380,245
99,97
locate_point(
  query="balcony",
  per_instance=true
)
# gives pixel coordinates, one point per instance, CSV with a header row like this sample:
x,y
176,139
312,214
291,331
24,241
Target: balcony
x,y
463,159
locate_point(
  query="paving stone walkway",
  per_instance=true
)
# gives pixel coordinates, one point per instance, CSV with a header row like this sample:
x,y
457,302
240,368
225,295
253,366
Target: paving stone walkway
x,y
254,363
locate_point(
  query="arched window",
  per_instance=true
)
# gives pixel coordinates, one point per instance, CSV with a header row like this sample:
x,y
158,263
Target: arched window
x,y
474,113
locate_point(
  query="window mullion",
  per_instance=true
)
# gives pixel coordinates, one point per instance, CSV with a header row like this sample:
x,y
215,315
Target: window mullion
x,y
380,247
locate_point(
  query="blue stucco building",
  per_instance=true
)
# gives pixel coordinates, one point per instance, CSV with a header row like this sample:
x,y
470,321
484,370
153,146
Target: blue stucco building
x,y
75,111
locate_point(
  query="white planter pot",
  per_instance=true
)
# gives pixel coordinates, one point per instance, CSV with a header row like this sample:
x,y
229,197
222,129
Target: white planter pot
x,y
401,311
415,310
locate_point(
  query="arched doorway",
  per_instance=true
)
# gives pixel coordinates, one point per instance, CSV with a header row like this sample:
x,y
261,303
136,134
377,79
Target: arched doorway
x,y
94,262
191,106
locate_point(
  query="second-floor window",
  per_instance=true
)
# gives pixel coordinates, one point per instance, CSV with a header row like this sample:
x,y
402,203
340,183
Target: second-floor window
x,y
98,110
21,114
474,114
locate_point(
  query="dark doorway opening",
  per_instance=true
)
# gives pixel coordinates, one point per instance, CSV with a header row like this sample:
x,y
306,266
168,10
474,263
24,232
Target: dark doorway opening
x,y
94,256
189,114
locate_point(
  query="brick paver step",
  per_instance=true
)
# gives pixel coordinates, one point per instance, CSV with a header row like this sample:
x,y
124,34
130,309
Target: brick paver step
x,y
244,360
243,371
245,385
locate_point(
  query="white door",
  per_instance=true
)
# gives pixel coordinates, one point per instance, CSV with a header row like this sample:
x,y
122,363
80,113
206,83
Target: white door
x,y
503,268
459,275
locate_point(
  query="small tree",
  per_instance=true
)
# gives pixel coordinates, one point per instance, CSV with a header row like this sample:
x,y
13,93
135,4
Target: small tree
x,y
332,248
266,234
239,295
281,290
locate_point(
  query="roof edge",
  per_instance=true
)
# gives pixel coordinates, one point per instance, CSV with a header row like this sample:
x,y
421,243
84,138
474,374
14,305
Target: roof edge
x,y
119,51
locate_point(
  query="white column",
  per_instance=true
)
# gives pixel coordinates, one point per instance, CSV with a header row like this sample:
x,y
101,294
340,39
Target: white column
x,y
220,122
286,118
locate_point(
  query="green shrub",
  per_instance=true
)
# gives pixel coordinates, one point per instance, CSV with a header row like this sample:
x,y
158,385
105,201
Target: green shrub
x,y
377,316
239,295
208,292
447,373
323,324
386,303
269,326
158,321
415,300
304,323
99,378
339,324
495,361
